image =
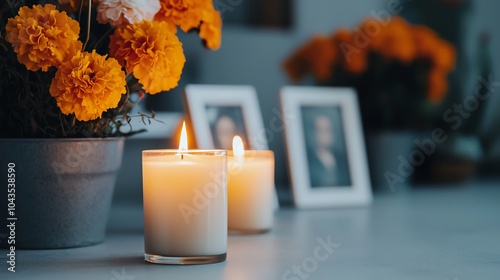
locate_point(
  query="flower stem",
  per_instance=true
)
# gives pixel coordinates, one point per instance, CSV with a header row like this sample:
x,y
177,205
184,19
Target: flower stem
x,y
88,23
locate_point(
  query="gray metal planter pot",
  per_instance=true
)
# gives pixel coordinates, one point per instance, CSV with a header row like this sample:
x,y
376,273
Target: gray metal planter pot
x,y
63,190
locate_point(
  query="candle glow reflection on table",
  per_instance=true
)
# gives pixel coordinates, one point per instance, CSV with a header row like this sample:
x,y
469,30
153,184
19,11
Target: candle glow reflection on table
x,y
185,205
250,189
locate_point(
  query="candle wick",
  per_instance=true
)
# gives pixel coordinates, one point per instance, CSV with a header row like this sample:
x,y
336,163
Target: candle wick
x,y
182,156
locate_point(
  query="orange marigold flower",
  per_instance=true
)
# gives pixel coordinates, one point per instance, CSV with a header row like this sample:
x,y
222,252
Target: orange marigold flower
x,y
185,13
210,29
395,41
429,46
321,53
342,35
152,52
42,36
425,40
444,56
437,86
87,85
296,66
354,56
317,57
193,14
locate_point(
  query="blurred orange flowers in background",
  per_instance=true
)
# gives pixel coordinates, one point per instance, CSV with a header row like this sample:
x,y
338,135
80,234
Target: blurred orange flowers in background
x,y
393,41
316,56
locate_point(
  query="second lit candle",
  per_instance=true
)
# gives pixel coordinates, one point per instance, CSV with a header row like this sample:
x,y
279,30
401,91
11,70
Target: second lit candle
x,y
250,189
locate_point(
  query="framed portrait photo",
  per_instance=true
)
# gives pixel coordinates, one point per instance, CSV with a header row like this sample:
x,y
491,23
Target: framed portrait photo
x,y
219,112
325,147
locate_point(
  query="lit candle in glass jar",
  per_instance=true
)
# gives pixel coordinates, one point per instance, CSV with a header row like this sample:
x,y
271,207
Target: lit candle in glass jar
x,y
250,189
185,205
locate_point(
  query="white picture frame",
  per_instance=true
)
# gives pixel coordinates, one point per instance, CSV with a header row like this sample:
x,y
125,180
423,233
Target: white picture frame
x,y
203,101
322,175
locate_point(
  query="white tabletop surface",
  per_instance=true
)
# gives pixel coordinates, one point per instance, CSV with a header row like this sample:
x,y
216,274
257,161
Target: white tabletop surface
x,y
433,233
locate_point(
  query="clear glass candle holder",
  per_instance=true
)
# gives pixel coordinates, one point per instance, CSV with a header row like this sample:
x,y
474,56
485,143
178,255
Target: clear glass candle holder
x,y
185,206
251,191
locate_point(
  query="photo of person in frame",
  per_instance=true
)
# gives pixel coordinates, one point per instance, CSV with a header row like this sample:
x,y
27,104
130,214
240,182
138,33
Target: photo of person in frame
x,y
226,122
325,147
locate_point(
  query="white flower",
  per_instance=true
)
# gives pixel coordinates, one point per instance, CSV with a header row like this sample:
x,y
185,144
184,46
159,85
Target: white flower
x,y
121,12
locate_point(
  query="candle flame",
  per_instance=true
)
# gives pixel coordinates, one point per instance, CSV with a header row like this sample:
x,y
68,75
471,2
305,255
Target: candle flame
x,y
238,149
183,143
